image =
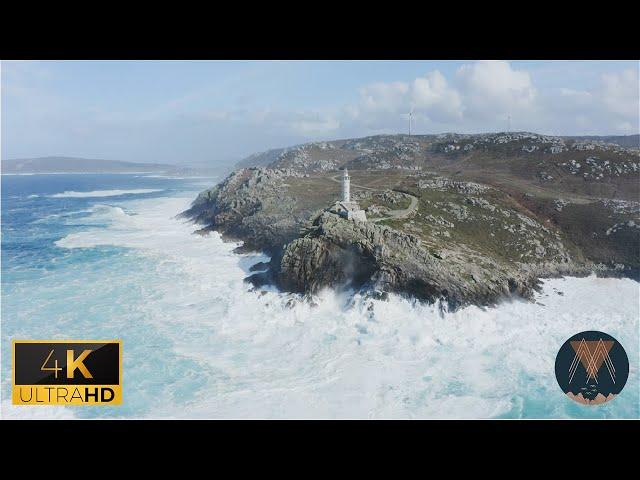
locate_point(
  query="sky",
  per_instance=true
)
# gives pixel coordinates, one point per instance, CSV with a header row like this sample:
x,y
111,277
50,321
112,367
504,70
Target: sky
x,y
218,112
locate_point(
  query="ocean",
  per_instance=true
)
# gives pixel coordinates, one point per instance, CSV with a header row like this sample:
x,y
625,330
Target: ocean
x,y
103,257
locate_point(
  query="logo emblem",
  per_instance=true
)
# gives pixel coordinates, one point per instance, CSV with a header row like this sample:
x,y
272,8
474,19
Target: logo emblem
x,y
67,372
592,368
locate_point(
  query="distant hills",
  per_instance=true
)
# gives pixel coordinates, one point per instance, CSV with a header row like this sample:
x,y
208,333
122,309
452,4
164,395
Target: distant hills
x,y
594,168
629,141
80,165
402,151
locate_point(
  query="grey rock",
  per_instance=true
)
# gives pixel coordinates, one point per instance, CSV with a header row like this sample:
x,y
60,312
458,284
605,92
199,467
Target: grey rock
x,y
337,252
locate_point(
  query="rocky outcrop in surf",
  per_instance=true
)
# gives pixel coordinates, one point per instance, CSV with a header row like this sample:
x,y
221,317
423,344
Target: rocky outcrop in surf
x,y
334,252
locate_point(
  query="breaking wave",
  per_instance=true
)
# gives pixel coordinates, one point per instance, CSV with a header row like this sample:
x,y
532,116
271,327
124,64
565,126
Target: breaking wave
x,y
104,193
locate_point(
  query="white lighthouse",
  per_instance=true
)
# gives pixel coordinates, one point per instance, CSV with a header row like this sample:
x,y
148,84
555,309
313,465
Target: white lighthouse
x,y
345,207
346,186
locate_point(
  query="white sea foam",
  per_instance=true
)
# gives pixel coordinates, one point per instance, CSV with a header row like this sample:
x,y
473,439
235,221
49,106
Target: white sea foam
x,y
178,177
266,354
104,193
26,412
56,217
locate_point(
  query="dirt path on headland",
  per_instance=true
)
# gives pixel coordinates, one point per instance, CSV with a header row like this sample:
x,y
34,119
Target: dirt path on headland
x,y
392,214
396,214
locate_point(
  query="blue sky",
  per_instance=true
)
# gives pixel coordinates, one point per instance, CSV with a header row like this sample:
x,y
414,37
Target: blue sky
x,y
210,112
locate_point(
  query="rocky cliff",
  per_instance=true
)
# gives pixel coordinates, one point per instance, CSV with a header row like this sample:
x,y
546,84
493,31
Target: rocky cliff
x,y
250,205
334,252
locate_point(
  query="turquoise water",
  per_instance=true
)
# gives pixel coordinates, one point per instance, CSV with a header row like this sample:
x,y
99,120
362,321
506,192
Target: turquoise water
x,y
102,256
50,291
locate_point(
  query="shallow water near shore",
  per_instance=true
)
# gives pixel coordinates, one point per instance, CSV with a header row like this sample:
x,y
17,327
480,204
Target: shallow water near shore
x,y
103,256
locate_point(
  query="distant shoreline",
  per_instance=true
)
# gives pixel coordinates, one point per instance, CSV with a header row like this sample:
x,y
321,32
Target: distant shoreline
x,y
85,173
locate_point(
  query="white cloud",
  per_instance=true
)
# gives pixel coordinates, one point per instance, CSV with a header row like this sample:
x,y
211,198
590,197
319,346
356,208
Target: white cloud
x,y
314,124
493,87
481,95
384,97
578,96
301,123
433,96
612,106
216,115
627,128
620,93
383,106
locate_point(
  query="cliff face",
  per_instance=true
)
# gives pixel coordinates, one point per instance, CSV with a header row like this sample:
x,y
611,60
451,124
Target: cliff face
x,y
337,252
250,205
451,231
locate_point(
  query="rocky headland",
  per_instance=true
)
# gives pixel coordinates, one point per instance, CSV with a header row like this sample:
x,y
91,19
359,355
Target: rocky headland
x,y
460,218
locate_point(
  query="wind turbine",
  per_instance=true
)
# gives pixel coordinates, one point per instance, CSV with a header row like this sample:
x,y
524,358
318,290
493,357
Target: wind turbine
x,y
410,116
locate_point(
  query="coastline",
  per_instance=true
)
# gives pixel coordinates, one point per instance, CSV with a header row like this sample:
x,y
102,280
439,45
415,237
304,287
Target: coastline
x,y
82,173
229,351
313,247
549,272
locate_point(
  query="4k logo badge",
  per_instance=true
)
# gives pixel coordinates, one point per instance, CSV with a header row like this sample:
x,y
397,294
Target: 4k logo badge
x,y
592,368
67,372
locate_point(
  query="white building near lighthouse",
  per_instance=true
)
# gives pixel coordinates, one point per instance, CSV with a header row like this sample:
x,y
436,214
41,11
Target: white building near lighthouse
x,y
345,207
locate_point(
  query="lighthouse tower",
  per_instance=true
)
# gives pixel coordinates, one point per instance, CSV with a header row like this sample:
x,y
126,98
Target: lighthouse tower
x,y
346,186
345,207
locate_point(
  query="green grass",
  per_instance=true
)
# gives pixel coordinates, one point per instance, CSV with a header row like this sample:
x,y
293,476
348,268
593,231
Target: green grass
x,y
483,232
402,203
